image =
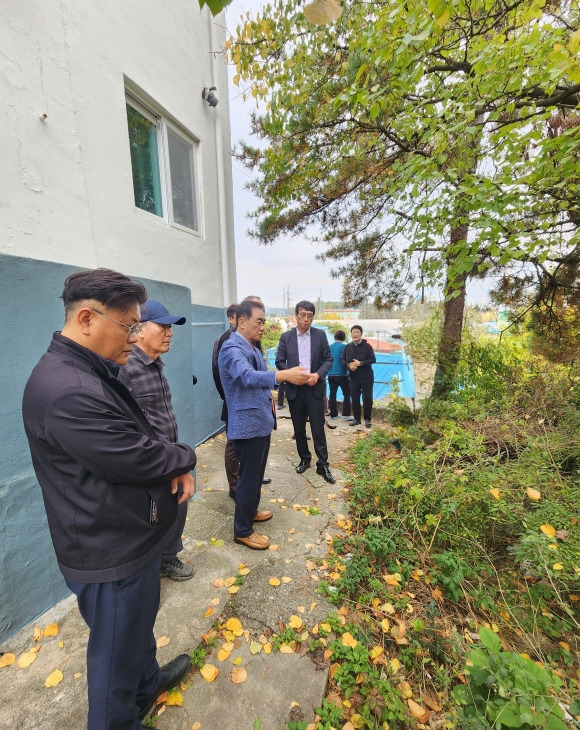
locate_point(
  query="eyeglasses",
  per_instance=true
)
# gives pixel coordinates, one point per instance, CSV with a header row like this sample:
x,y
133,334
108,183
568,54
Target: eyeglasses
x,y
132,329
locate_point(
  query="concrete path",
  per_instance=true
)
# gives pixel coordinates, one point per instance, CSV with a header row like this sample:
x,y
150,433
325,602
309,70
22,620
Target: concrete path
x,y
305,509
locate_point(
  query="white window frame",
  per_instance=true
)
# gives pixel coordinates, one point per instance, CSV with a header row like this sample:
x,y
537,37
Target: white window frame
x,y
162,124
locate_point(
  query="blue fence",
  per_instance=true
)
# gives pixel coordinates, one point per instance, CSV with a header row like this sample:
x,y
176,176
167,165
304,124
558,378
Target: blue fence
x,y
393,372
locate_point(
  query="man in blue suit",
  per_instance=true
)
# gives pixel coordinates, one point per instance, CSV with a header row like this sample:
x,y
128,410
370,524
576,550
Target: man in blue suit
x,y
247,385
308,347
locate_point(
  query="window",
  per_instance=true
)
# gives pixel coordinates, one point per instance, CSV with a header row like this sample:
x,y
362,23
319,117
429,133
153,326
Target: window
x,y
163,166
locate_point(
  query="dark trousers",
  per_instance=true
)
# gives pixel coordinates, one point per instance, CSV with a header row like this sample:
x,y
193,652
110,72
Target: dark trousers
x,y
232,465
122,671
281,393
253,455
334,383
366,388
304,405
175,544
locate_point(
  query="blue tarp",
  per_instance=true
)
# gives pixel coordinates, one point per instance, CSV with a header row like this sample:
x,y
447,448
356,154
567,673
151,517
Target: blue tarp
x,y
393,372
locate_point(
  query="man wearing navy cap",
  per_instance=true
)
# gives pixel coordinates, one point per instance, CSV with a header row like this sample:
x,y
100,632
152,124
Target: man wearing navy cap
x,y
143,375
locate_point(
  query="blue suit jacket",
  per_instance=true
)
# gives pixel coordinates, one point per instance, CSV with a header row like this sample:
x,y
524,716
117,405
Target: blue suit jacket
x,y
320,359
247,385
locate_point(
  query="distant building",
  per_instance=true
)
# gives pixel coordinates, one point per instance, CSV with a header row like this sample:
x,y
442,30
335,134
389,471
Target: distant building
x,y
340,314
110,158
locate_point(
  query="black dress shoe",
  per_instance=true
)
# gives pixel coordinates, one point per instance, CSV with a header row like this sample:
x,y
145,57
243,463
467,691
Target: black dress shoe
x,y
171,674
266,480
304,464
307,437
330,425
324,472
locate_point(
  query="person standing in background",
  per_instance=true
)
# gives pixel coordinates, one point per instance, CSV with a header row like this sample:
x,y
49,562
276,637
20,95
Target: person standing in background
x,y
143,375
338,377
359,357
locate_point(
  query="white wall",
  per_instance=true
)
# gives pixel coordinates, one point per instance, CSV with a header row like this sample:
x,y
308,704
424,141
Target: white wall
x,y
66,191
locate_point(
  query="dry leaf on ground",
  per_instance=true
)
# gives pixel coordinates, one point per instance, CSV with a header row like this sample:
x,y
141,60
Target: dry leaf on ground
x,y
239,675
53,679
163,641
209,672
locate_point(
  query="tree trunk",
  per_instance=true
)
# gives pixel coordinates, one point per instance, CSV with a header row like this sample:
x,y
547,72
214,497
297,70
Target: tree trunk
x,y
453,312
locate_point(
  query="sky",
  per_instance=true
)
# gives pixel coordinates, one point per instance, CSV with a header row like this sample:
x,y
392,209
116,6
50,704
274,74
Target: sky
x,y
291,262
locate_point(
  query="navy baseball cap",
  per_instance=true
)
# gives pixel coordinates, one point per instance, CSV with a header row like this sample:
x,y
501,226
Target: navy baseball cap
x,y
153,311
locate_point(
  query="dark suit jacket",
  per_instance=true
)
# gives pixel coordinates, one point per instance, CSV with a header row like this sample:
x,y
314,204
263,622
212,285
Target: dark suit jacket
x,y
320,359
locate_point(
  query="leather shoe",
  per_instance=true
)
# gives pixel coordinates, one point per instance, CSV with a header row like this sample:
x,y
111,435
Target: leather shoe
x,y
263,515
171,674
254,541
266,480
324,472
304,464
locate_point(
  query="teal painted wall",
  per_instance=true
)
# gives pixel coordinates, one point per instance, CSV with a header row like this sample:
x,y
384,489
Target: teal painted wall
x,y
30,311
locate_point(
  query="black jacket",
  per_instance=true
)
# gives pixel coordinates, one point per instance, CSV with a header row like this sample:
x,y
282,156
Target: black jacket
x,y
287,356
102,469
365,354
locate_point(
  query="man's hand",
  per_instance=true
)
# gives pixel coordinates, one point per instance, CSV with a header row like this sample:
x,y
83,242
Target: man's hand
x,y
186,486
313,379
354,365
296,376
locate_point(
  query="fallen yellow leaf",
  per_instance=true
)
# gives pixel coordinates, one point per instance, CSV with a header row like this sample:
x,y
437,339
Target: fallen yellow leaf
x,y
388,608
495,493
244,571
557,566
295,622
26,659
564,645
234,624
385,624
395,665
7,659
255,647
405,689
376,652
268,648
286,579
418,712
163,641
209,672
274,582
53,679
38,633
533,494
233,589
196,726
174,698
237,661
223,655
349,640
208,612
229,581
273,548
215,601
218,583
51,629
286,649
239,675
548,530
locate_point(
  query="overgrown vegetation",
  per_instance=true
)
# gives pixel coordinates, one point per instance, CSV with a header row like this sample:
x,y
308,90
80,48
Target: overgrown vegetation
x,y
461,556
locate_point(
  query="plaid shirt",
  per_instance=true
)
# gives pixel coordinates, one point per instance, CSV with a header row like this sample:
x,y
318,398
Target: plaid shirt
x,y
144,378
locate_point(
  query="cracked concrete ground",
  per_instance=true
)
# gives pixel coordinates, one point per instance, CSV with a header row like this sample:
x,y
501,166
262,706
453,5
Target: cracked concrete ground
x,y
274,681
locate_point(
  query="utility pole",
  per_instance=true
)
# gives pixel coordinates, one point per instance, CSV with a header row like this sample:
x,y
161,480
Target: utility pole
x,y
286,298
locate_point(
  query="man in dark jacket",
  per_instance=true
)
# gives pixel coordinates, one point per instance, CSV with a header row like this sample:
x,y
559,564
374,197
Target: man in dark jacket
x,y
307,346
358,356
110,490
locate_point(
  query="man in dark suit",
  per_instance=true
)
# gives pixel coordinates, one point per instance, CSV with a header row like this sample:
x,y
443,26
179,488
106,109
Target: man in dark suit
x,y
308,347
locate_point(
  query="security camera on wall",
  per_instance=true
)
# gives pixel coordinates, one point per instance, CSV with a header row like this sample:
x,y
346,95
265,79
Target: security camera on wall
x,y
209,96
